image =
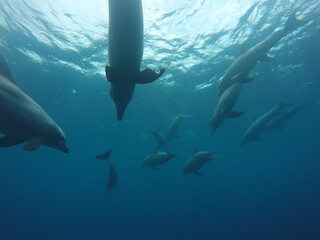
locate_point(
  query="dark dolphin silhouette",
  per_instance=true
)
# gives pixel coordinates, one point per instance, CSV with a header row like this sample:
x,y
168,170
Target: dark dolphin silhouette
x,y
23,120
125,48
113,177
225,105
257,127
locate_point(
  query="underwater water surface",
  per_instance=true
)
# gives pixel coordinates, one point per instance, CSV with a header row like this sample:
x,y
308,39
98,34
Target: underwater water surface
x,y
57,51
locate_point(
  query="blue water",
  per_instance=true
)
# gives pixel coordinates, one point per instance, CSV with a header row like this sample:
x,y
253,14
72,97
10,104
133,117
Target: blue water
x,y
265,190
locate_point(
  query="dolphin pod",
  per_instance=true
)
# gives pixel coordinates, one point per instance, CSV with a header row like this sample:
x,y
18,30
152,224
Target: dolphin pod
x,y
23,120
125,50
258,126
278,121
242,66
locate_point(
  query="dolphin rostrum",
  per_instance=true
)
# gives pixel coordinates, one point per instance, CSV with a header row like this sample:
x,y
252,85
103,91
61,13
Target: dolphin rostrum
x,y
125,50
241,67
23,120
225,105
257,127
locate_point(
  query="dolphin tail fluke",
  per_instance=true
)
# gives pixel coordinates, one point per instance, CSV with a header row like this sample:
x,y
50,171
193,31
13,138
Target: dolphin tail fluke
x,y
293,23
8,141
105,155
148,76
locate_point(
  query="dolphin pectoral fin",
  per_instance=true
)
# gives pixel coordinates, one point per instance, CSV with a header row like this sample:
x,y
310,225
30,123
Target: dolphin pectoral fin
x,y
105,155
148,76
33,144
8,141
197,173
266,58
234,114
155,167
257,139
110,74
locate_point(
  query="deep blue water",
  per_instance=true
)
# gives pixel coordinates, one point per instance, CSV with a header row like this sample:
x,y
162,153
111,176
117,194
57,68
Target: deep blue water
x,y
265,190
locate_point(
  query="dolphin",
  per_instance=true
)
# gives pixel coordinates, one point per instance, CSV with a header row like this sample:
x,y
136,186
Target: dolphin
x,y
125,50
278,121
225,105
174,126
160,139
113,177
23,120
248,59
105,155
257,127
196,161
158,158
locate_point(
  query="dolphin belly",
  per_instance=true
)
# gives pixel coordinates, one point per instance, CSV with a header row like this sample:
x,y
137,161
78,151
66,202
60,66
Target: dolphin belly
x,y
125,46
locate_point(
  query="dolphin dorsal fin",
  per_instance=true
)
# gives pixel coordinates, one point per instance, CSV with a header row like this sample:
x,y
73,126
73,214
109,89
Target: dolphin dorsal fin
x,y
5,70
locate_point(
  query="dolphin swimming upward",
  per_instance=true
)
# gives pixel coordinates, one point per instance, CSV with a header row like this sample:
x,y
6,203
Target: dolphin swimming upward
x,y
23,120
125,49
241,67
